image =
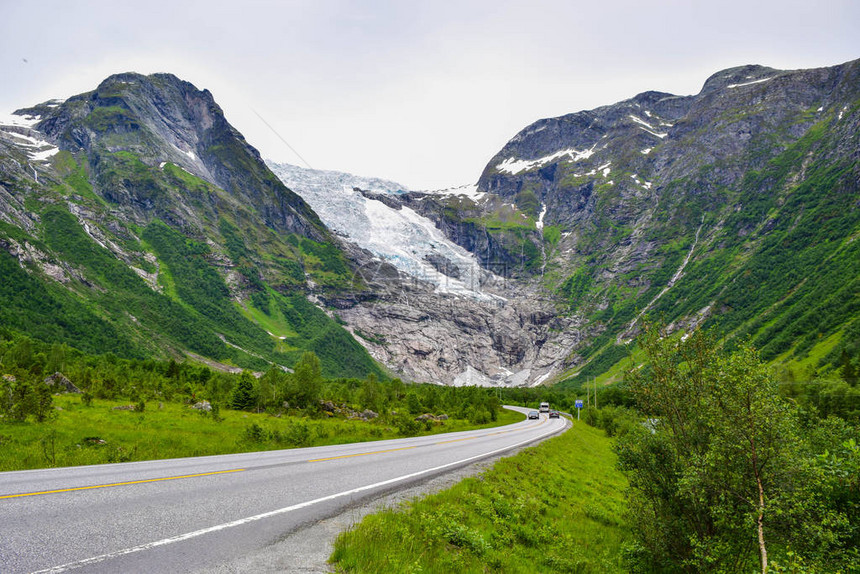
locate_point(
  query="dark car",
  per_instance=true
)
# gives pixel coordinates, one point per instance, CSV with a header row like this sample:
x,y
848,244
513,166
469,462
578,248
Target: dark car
x,y
554,414
534,415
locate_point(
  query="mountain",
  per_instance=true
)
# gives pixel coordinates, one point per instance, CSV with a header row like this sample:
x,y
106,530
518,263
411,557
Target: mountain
x,y
737,208
734,209
135,219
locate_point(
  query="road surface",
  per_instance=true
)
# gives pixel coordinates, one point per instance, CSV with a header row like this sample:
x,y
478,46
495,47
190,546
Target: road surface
x,y
182,515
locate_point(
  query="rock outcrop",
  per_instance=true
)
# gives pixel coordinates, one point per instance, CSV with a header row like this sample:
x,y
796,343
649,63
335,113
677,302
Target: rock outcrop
x,y
61,383
160,118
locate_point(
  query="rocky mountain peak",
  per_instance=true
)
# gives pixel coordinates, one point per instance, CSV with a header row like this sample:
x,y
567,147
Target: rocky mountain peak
x,y
160,119
738,76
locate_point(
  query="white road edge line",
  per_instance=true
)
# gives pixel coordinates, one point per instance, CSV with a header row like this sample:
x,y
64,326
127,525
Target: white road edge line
x,y
241,521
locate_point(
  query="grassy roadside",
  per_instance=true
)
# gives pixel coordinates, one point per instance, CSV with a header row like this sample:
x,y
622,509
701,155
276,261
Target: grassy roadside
x,y
98,433
554,507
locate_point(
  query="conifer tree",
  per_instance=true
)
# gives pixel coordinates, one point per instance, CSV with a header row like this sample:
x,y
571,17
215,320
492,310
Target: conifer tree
x,y
243,398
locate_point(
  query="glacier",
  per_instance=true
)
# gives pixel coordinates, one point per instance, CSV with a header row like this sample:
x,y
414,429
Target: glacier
x,y
401,236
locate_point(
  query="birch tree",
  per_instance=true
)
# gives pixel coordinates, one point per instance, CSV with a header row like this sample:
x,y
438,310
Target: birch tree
x,y
716,471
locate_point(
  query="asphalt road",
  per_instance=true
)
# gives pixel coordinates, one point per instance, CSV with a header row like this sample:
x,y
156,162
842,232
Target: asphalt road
x,y
182,515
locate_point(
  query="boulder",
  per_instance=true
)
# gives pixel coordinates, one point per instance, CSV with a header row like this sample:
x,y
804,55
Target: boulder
x,y
202,406
328,407
431,417
60,382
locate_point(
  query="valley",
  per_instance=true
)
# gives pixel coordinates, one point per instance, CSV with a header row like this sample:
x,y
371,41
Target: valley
x,y
140,195
152,258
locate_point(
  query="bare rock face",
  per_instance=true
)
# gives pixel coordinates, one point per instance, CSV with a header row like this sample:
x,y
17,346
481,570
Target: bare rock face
x,y
367,415
431,418
429,336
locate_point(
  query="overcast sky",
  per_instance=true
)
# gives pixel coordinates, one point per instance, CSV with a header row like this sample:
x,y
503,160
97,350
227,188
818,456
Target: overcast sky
x,y
424,93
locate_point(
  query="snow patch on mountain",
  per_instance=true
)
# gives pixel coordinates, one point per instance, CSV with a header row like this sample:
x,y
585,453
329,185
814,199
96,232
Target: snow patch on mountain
x,y
646,127
24,121
190,154
514,166
539,222
732,86
19,130
470,191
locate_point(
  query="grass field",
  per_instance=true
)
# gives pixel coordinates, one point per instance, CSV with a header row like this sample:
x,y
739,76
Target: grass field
x,y
99,433
556,507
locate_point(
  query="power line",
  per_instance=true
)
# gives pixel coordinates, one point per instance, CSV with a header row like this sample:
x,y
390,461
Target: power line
x,y
280,137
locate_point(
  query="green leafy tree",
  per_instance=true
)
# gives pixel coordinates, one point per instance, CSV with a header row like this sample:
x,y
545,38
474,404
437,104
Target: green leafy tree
x,y
20,355
849,368
717,475
21,399
172,369
372,395
57,358
303,391
396,390
42,402
413,403
752,452
268,388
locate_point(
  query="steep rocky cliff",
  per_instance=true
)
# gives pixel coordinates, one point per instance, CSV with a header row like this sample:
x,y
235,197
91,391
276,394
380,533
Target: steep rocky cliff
x,y
430,311
161,118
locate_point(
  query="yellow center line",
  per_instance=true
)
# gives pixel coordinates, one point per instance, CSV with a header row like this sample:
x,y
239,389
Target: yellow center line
x,y
411,447
119,483
361,454
235,469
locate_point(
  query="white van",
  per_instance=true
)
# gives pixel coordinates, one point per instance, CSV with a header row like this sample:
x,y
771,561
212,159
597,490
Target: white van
x,y
544,407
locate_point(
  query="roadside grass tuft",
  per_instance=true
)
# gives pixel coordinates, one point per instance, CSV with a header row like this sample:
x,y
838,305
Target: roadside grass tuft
x,y
556,507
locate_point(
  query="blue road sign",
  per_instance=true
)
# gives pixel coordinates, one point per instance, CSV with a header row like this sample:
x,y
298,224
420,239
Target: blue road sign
x,y
579,404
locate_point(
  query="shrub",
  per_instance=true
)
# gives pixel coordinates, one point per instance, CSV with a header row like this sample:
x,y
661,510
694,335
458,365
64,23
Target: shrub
x,y
256,433
407,426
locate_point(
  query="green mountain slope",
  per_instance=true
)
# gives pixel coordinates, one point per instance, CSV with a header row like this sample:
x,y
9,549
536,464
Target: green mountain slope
x,y
737,208
157,231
